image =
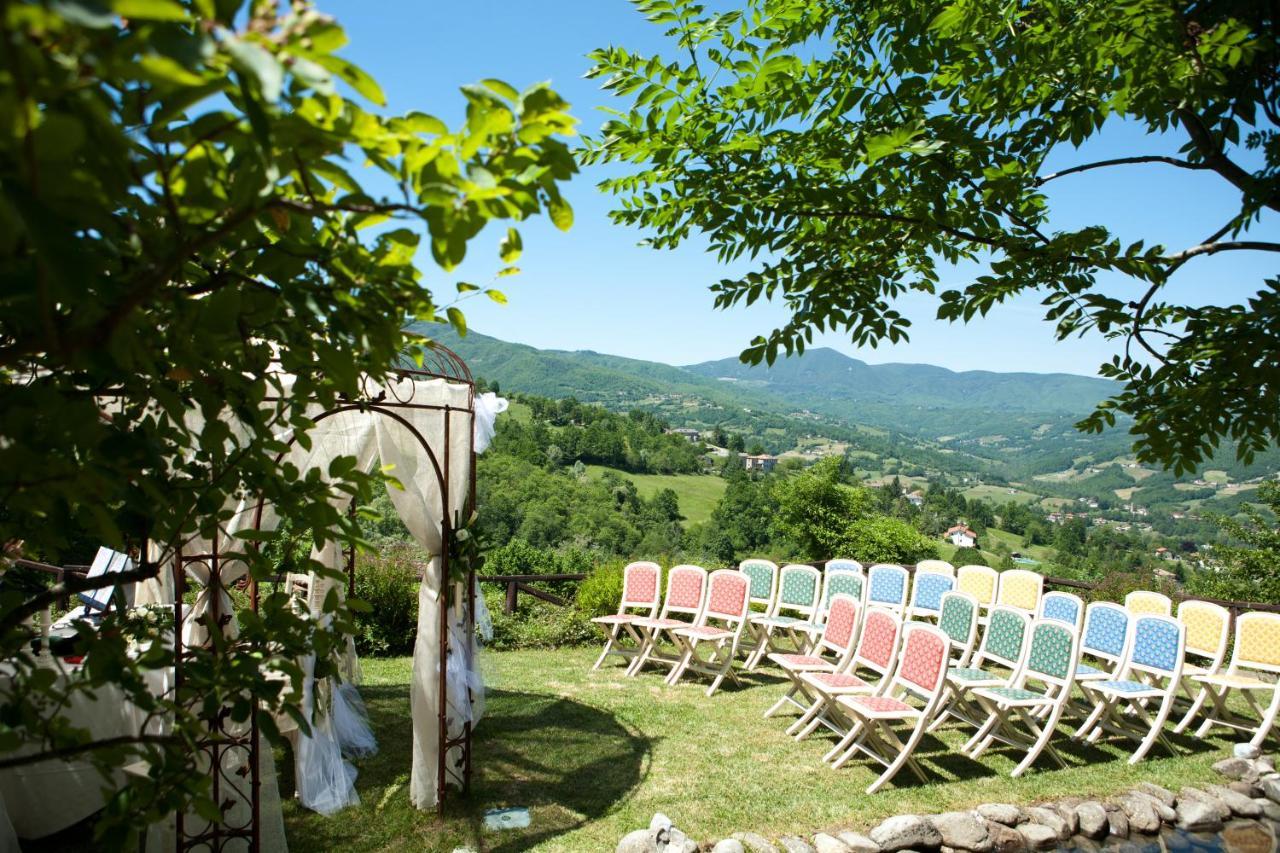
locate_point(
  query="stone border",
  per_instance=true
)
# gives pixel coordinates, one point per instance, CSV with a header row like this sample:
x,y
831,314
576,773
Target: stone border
x,y
1247,806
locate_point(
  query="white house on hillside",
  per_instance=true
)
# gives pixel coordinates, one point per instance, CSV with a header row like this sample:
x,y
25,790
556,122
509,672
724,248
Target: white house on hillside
x,y
762,462
962,537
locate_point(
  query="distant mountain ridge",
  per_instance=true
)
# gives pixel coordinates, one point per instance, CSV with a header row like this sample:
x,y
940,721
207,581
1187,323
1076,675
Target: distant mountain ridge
x,y
827,372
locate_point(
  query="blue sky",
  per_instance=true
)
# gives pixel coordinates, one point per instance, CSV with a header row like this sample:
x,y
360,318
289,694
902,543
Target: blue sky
x,y
595,288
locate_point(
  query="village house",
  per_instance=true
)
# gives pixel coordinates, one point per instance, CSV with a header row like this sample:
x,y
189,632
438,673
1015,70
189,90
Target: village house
x,y
962,537
692,435
916,498
762,462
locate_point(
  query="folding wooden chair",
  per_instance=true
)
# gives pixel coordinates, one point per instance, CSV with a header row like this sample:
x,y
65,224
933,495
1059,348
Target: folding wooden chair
x,y
958,619
1062,607
764,595
841,580
1152,672
920,676
799,591
927,592
1021,589
1051,662
876,652
1256,653
981,582
1141,602
1208,632
686,593
887,587
843,564
1003,645
640,584
937,567
728,602
831,654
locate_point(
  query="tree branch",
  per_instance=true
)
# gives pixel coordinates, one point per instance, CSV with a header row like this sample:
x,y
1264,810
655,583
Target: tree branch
x,y
1122,161
1214,159
66,752
1227,246
71,585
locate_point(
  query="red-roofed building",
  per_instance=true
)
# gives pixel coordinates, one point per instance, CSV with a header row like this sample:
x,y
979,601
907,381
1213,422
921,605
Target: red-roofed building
x,y
962,537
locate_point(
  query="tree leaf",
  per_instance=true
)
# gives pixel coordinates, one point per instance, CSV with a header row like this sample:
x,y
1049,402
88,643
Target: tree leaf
x,y
510,246
560,212
457,320
259,64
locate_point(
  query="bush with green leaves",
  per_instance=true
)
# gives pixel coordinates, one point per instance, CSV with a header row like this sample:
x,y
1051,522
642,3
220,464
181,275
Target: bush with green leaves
x,y
538,625
388,582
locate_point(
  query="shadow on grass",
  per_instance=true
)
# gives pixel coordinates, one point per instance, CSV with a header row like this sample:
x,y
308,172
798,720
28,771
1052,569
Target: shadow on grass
x,y
567,762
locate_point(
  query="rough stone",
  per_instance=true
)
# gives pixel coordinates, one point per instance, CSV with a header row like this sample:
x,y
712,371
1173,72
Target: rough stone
x,y
1246,750
678,842
1038,836
1233,768
1005,813
1270,810
1249,789
795,844
1247,837
1195,815
859,843
1164,795
903,831
729,845
1142,816
824,843
1264,764
1051,819
1223,810
1093,819
963,831
1238,803
639,841
1006,839
1067,809
1117,822
1271,789
755,843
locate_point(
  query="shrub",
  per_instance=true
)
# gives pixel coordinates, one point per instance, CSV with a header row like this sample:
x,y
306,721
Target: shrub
x,y
538,625
882,539
1114,586
388,581
601,592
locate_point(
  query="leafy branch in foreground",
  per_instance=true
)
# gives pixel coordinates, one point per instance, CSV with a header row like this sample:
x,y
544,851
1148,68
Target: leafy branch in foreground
x,y
180,216
857,148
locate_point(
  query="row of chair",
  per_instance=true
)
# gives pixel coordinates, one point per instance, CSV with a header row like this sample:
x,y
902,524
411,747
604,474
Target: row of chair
x,y
831,632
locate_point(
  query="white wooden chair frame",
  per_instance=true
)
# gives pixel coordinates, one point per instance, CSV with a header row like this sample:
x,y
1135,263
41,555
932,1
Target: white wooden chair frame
x,y
1046,606
751,641
1039,714
1088,672
962,679
723,642
653,630
825,687
768,627
1219,685
898,606
838,657
1214,654
872,733
1121,704
619,626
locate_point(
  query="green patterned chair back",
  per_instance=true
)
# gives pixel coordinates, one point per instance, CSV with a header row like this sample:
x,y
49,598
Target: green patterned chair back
x,y
763,575
843,582
1053,652
958,618
1006,636
799,588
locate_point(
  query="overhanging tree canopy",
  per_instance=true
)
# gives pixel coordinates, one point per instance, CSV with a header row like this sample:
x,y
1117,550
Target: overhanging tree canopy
x,y
861,146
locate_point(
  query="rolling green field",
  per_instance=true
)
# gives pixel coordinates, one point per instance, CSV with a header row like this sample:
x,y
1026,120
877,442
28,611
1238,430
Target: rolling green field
x,y
698,493
593,755
1001,494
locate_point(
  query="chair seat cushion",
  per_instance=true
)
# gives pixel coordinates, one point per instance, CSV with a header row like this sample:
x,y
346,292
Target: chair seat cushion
x,y
1014,695
1084,672
1190,669
661,623
776,621
704,632
616,619
788,661
836,682
1240,682
878,706
1127,688
970,674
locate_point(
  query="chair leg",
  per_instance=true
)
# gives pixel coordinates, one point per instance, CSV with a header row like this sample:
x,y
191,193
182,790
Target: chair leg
x,y
1268,719
1192,712
608,647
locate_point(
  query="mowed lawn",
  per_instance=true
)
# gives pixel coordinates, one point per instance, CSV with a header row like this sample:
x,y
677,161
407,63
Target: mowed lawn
x,y
698,493
594,754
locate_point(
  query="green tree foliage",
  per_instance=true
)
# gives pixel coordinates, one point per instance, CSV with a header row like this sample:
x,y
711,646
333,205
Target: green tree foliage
x,y
860,148
744,515
1250,570
177,210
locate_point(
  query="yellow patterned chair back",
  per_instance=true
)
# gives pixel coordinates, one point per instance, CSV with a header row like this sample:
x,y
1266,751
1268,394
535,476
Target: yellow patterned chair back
x,y
1021,589
1141,603
1208,629
980,582
1257,642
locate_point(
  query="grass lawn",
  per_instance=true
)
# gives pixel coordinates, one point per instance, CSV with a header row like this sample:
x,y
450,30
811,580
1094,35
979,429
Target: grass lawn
x,y
594,755
698,493
1001,494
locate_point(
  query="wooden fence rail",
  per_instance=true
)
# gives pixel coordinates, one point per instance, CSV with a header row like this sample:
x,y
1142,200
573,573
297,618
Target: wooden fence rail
x,y
517,584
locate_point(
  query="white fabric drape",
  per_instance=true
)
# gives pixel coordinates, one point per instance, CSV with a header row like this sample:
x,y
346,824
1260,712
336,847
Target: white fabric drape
x,y
488,406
